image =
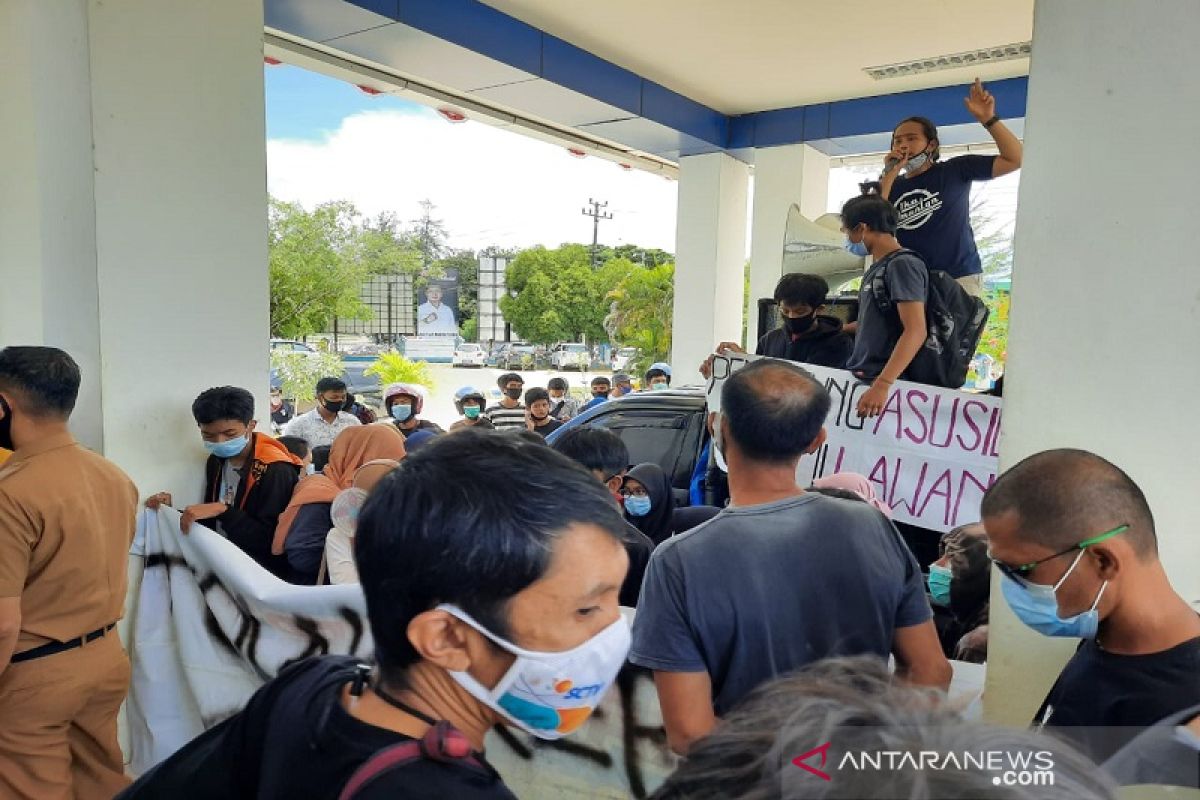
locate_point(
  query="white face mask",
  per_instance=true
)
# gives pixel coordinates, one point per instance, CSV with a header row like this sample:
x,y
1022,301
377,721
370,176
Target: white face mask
x,y
550,694
345,509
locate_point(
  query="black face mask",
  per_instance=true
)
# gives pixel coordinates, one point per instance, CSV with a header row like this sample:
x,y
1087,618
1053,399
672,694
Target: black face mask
x,y
513,394
6,426
333,406
798,325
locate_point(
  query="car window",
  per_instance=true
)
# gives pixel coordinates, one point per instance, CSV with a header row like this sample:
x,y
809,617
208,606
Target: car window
x,y
669,438
575,348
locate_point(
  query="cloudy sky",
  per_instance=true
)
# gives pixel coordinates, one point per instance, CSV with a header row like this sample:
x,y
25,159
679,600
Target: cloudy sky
x,y
326,140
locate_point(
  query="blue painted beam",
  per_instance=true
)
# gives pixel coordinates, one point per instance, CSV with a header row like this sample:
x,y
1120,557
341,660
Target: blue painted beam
x,y
841,127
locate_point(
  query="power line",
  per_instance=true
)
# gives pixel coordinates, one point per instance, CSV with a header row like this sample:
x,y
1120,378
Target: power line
x,y
597,214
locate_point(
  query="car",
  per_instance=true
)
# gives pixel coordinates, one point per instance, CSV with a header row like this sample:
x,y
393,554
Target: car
x,y
570,355
518,356
669,428
621,359
292,346
469,355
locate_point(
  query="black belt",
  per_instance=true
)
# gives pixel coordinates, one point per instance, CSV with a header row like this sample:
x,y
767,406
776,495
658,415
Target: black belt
x,y
59,647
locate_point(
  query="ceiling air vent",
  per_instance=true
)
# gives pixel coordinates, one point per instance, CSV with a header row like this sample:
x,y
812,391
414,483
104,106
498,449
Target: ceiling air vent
x,y
1004,52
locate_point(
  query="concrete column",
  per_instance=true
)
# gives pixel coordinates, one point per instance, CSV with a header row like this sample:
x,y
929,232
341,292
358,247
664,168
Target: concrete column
x,y
139,213
48,281
1106,297
782,175
710,256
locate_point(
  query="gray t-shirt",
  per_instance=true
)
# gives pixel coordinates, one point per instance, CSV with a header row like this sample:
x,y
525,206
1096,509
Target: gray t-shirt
x,y
758,591
907,280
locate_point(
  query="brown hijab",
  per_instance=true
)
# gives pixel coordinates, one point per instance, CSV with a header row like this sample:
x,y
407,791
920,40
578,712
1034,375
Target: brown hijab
x,y
351,449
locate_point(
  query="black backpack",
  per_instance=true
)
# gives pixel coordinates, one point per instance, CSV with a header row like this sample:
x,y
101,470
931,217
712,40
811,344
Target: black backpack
x,y
955,321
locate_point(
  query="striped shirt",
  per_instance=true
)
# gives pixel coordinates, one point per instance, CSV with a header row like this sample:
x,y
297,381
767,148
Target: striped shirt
x,y
507,419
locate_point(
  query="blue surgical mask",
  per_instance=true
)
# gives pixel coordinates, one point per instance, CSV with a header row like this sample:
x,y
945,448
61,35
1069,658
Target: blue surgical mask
x,y
1035,605
658,387
401,413
228,448
856,248
637,506
939,584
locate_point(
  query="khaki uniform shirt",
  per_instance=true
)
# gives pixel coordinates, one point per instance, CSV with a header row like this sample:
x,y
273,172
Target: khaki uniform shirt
x,y
67,519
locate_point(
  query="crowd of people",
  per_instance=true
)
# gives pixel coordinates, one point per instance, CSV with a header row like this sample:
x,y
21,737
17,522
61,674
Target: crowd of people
x,y
494,565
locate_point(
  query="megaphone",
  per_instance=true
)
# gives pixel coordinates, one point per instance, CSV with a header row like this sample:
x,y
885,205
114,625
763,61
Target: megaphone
x,y
816,248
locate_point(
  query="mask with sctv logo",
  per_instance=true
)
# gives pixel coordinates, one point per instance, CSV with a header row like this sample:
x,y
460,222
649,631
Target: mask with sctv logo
x,y
550,694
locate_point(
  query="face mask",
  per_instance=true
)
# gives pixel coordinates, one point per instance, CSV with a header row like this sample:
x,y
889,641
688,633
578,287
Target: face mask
x,y
401,412
6,426
345,508
228,448
513,394
601,395
1036,606
538,418
333,406
798,325
658,387
939,584
915,163
471,412
550,694
856,248
637,506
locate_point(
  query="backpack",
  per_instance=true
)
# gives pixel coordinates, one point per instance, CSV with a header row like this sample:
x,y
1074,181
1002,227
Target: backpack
x,y
442,742
954,319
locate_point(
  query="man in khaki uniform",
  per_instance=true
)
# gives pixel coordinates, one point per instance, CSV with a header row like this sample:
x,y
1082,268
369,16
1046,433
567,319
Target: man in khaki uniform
x,y
66,523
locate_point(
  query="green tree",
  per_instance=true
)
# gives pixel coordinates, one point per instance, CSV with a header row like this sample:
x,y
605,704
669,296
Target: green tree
x,y
315,271
385,248
466,265
641,313
430,234
298,373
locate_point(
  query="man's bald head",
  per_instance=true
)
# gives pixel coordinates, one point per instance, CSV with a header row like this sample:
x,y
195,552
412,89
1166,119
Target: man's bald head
x,y
774,410
1065,496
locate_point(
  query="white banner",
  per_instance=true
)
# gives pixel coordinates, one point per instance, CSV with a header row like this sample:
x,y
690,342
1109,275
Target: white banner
x,y
208,626
931,453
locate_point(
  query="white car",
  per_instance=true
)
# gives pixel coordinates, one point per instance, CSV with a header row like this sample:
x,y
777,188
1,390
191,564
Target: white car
x,y
570,356
292,346
621,360
469,355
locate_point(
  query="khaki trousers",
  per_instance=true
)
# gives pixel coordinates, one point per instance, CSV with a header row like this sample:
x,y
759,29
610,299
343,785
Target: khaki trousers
x,y
58,723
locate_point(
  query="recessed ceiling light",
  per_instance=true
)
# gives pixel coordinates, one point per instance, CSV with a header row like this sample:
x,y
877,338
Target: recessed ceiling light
x,y
1003,52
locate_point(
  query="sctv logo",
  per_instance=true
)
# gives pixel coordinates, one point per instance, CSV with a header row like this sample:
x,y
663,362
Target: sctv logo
x,y
584,692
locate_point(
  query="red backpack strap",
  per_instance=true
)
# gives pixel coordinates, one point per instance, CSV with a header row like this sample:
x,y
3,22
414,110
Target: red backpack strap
x,y
442,742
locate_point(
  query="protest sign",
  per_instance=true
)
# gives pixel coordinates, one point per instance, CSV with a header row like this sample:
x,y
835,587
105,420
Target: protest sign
x,y
208,626
931,453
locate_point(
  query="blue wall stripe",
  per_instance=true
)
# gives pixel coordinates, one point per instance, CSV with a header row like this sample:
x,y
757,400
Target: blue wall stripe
x,y
492,33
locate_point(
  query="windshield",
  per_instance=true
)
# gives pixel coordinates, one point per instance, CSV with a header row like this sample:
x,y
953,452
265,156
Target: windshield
x,y
469,348
627,351
575,348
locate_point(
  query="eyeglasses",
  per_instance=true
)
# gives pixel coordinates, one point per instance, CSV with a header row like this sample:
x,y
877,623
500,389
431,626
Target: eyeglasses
x,y
1020,572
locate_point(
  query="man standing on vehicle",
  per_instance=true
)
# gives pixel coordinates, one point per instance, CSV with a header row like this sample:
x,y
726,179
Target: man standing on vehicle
x,y
759,590
321,426
66,523
508,414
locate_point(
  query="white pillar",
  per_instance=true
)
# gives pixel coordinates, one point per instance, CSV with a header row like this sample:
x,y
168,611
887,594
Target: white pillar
x,y
1106,296
134,232
710,257
784,175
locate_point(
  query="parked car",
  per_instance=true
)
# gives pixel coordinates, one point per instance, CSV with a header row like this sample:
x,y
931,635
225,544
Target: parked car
x,y
570,355
518,356
292,346
468,355
669,428
622,357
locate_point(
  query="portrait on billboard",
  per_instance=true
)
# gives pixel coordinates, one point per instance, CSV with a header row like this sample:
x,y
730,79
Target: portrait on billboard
x,y
437,312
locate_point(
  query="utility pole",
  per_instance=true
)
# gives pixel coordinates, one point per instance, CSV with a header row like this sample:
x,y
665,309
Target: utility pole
x,y
597,213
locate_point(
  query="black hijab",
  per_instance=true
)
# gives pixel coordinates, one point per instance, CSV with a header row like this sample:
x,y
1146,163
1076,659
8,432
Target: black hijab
x,y
658,524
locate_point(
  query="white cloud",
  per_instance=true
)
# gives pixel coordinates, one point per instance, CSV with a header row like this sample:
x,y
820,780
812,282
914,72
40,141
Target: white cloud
x,y
490,186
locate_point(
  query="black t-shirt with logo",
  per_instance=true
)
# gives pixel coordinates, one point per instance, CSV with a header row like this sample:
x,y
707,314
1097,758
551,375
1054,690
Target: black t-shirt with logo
x,y
934,210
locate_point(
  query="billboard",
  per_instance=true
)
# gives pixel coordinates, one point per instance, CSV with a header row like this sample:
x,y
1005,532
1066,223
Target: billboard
x,y
437,314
